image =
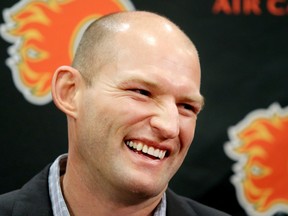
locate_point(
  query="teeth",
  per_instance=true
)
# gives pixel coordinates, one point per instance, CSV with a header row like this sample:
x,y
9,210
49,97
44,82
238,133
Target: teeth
x,y
147,150
156,153
139,147
130,143
150,151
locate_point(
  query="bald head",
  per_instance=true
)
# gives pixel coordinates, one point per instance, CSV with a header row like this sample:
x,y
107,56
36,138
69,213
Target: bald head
x,y
109,35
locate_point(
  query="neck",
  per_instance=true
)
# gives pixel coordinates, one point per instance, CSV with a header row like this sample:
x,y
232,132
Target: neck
x,y
85,198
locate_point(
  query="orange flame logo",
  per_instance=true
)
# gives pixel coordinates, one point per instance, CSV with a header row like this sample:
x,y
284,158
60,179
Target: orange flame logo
x,y
44,34
259,144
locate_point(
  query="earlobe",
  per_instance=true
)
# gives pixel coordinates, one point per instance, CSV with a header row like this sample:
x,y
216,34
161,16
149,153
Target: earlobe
x,y
65,84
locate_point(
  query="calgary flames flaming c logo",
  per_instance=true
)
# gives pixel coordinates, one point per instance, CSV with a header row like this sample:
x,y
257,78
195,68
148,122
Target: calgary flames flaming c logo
x,y
44,34
260,145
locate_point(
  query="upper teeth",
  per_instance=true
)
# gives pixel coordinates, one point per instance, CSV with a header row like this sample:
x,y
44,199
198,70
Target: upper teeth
x,y
147,149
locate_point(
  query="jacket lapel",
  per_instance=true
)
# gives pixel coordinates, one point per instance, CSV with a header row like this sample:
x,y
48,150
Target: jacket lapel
x,y
177,206
33,198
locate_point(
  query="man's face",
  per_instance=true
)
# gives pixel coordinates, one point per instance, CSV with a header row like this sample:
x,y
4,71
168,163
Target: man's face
x,y
136,122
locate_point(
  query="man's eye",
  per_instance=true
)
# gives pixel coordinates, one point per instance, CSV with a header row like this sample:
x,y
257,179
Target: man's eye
x,y
190,108
141,91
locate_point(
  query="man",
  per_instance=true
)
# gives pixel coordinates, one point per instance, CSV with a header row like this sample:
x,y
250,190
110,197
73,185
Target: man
x,y
131,97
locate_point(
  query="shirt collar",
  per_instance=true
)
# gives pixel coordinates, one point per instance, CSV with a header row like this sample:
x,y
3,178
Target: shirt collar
x,y
59,206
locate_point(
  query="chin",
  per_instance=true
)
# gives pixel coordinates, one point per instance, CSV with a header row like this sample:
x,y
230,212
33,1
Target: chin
x,y
145,191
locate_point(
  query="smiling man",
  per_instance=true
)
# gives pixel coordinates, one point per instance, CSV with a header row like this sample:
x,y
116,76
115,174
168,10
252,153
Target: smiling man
x,y
131,96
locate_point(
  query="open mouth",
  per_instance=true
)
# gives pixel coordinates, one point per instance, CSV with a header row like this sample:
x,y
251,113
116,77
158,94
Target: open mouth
x,y
149,151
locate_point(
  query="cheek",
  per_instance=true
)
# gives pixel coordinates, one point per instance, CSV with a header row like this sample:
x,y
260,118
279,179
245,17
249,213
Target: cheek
x,y
93,117
187,131
130,112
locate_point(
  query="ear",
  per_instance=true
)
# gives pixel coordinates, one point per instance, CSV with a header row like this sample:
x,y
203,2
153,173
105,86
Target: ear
x,y
65,85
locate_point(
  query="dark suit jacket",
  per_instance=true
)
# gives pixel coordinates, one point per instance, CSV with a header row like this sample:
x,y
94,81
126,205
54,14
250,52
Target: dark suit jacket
x,y
33,200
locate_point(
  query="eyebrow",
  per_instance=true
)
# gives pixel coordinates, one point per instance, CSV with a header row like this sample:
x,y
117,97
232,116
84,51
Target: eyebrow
x,y
149,83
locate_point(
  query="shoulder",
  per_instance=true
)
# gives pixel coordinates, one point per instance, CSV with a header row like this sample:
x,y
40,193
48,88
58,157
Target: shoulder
x,y
31,199
188,207
7,202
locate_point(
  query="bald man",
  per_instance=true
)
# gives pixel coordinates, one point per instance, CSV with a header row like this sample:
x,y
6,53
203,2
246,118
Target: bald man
x,y
131,97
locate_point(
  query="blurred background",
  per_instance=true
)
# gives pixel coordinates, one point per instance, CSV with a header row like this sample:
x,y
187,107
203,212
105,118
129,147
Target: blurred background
x,y
238,160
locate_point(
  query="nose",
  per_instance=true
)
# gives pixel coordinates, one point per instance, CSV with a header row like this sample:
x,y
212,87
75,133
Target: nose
x,y
165,122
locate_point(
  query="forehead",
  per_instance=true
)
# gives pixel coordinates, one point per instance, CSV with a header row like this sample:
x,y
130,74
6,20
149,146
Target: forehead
x,y
162,52
177,67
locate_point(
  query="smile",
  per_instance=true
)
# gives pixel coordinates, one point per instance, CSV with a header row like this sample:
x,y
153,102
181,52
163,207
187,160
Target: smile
x,y
148,150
